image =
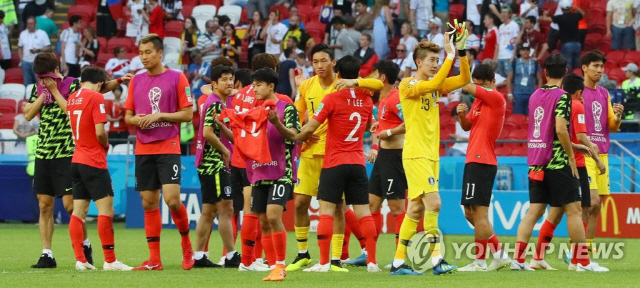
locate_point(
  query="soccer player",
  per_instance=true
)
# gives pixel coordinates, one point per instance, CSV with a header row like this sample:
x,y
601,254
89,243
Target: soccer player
x,y
212,158
553,177
573,84
160,100
312,91
485,120
419,98
601,119
348,114
55,147
89,173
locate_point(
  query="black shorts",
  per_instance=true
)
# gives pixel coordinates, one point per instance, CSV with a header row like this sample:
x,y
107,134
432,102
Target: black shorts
x,y
90,183
558,188
153,171
477,183
274,194
239,180
585,191
215,187
350,179
388,180
52,177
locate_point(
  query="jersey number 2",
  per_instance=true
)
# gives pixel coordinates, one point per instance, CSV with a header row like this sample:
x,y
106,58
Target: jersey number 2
x,y
356,115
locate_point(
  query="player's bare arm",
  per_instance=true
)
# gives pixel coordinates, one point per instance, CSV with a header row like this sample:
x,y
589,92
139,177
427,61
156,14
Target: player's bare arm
x,y
215,142
52,86
223,128
110,85
462,114
287,133
595,153
307,130
131,119
614,124
32,109
582,149
565,141
184,115
101,134
386,134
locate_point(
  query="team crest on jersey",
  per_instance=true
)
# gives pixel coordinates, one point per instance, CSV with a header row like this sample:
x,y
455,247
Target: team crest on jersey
x,y
432,181
187,91
400,115
413,82
227,191
319,109
102,110
581,119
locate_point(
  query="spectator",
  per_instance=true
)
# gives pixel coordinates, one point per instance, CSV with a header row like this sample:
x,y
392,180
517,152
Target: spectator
x,y
173,8
71,41
330,33
472,56
104,21
259,5
473,41
347,40
522,80
156,19
219,22
530,35
459,148
208,42
274,33
189,38
436,36
382,25
118,66
199,73
507,34
402,60
305,42
293,11
45,23
420,15
254,37
23,129
5,47
403,9
31,43
529,8
366,55
473,15
305,65
344,6
138,23
631,86
286,74
90,47
230,44
491,8
364,20
489,39
34,9
118,130
407,37
441,10
619,24
291,42
569,34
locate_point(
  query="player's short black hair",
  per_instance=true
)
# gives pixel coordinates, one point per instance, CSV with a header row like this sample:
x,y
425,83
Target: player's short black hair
x,y
244,76
363,2
573,83
555,66
593,56
265,75
221,61
532,19
154,39
74,19
388,69
218,71
484,72
223,20
94,75
322,48
263,60
348,67
45,63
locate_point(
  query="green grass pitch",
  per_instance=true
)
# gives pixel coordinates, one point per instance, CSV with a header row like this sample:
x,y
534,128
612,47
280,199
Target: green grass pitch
x,y
20,248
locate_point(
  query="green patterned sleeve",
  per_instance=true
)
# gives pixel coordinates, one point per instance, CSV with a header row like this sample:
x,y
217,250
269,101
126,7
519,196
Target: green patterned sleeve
x,y
74,86
34,94
216,108
563,107
291,117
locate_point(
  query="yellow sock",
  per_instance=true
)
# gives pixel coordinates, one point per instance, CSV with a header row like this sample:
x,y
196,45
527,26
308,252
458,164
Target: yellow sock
x,y
336,246
407,230
302,236
431,227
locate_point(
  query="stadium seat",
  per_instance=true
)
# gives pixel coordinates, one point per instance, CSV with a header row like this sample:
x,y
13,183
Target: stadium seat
x,y
315,14
171,58
189,3
633,56
8,106
550,7
578,71
119,41
232,11
88,13
299,3
87,2
202,13
624,62
617,75
597,25
15,59
12,91
517,119
284,11
503,151
103,44
519,151
592,41
172,45
121,149
28,90
605,45
611,64
173,29
519,134
455,12
509,126
615,56
243,16
6,130
19,108
216,3
103,58
13,75
305,12
186,11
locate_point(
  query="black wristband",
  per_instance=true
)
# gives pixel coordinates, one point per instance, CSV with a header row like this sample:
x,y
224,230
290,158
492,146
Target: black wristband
x,y
462,53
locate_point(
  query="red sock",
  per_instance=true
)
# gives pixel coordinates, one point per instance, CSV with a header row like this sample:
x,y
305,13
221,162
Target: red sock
x,y
257,250
585,227
481,248
182,223
269,249
377,219
580,254
234,223
248,237
325,232
369,230
345,243
76,234
206,245
352,221
399,218
521,248
494,244
280,245
544,238
153,227
105,231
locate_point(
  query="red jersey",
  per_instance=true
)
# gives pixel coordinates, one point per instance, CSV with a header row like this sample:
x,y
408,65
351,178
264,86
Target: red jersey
x,y
578,125
245,100
390,112
169,146
117,110
487,116
156,21
490,42
250,133
348,112
85,109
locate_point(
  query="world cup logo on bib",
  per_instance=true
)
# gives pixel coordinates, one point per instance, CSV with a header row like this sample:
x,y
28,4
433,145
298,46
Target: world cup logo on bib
x,y
597,112
154,98
538,115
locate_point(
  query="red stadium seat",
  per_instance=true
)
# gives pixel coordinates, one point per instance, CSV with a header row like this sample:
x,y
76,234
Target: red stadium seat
x,y
615,56
315,14
633,56
578,71
519,134
103,44
592,41
243,15
624,62
617,75
103,58
605,45
305,12
509,126
186,11
13,75
188,3
517,119
7,120
305,2
87,2
7,106
173,29
119,41
87,12
519,151
503,151
20,105
455,12
316,30
216,3
550,8
284,11
610,65
15,59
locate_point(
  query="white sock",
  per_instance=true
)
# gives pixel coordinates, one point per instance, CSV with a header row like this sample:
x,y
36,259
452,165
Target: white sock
x,y
482,262
86,243
280,262
337,259
436,260
364,251
230,254
303,251
397,262
500,255
48,252
198,255
207,254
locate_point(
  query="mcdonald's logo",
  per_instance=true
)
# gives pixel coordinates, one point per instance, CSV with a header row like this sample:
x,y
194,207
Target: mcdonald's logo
x,y
608,201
